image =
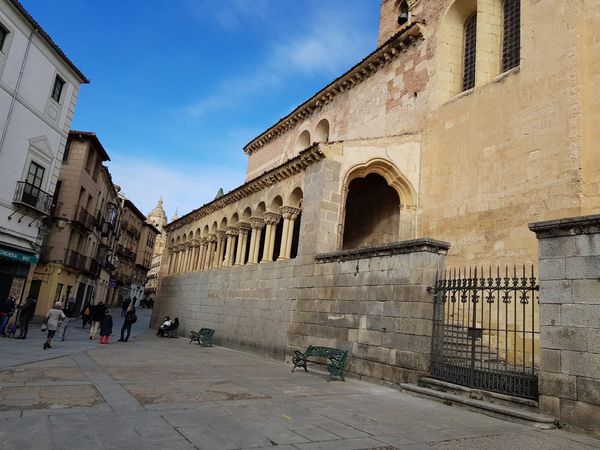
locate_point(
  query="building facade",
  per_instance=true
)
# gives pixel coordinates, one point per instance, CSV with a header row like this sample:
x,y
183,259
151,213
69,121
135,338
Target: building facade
x,y
77,258
470,120
134,251
39,86
158,218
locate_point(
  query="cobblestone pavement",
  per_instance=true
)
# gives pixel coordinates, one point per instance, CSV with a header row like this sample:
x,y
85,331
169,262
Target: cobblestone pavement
x,y
153,393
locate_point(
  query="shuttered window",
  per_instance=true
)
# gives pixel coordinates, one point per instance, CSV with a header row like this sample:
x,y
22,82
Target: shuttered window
x,y
470,52
511,51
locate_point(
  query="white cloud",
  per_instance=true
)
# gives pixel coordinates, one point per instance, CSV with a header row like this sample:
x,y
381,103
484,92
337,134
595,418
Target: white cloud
x,y
229,14
144,181
331,43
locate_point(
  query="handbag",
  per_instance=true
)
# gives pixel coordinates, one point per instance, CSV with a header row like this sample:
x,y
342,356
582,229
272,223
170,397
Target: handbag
x,y
44,327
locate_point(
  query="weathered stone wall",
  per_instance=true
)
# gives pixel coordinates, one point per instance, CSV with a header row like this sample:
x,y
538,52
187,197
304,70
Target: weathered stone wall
x,y
373,302
570,320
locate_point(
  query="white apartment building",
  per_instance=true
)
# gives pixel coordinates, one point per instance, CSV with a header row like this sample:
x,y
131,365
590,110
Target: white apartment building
x,y
39,86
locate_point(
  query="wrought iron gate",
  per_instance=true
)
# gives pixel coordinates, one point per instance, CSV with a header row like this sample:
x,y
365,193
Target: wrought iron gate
x,y
486,330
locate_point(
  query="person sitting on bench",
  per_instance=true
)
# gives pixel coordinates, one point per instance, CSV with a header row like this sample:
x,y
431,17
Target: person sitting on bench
x,y
166,326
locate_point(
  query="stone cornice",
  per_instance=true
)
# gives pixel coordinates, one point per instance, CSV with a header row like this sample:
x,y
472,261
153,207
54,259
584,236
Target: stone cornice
x,y
571,226
289,168
412,246
388,52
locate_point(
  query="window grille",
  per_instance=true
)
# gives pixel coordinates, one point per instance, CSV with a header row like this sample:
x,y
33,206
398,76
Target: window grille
x,y
470,53
511,51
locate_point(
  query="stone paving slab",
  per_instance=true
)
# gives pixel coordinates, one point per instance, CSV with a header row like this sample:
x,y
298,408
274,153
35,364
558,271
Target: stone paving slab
x,y
165,393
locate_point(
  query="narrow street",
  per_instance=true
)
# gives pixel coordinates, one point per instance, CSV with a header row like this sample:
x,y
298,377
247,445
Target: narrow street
x,y
153,393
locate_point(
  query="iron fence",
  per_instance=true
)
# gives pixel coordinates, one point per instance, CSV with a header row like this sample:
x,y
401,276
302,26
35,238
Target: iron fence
x,y
486,330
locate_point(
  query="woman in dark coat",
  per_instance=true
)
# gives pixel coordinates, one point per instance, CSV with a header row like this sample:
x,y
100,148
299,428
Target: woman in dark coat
x,y
106,325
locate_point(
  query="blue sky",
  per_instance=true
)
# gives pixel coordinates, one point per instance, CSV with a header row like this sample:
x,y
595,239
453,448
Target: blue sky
x,y
180,86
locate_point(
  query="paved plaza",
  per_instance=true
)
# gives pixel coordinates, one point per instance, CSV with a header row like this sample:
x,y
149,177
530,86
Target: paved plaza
x,y
153,393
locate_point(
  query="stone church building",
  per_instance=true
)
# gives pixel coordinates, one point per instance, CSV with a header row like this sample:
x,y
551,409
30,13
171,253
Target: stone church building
x,y
470,120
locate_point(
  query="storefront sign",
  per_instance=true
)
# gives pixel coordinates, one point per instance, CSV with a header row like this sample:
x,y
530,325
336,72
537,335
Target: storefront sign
x,y
9,253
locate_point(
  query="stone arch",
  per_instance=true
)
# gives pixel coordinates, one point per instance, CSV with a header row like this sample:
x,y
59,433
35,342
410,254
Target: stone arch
x,y
303,141
247,214
205,231
321,133
223,224
198,233
451,48
295,198
275,204
379,205
260,210
235,218
215,227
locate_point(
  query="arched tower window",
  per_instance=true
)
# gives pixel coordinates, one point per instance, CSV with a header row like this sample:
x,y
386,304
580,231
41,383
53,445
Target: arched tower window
x,y
372,212
511,50
470,52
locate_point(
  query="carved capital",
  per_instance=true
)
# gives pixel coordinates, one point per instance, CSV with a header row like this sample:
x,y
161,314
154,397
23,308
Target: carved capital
x,y
244,226
272,218
232,231
220,234
289,212
257,223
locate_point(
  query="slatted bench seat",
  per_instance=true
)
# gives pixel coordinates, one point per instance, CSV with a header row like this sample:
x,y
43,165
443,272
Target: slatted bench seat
x,y
335,359
204,336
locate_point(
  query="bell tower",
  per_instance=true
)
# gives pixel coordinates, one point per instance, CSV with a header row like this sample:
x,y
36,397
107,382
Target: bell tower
x,y
394,15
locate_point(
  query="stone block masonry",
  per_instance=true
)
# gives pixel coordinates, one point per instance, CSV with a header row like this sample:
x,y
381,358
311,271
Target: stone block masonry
x,y
570,320
373,302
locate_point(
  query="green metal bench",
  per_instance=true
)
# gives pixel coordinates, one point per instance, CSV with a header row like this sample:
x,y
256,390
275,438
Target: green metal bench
x,y
335,359
204,337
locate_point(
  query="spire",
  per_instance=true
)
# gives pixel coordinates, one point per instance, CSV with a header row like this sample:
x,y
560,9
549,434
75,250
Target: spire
x,y
175,216
219,193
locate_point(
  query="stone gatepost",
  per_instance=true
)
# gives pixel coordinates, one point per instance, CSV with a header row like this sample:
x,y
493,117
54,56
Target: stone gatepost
x,y
569,266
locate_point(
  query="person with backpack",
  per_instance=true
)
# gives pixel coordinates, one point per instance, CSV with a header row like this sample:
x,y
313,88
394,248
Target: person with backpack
x,y
124,305
86,315
106,325
130,319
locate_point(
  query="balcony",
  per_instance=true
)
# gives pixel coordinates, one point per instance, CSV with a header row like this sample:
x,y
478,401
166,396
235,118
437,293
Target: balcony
x,y
84,219
75,260
126,252
33,197
94,268
129,228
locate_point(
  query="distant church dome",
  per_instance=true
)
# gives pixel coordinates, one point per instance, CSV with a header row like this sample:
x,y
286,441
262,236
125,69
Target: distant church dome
x,y
158,216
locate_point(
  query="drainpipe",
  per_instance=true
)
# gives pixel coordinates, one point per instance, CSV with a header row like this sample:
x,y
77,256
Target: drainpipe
x,y
14,97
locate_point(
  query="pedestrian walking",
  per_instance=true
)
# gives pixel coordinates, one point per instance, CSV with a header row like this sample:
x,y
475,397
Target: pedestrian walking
x,y
25,315
106,327
86,315
97,315
130,319
124,305
53,319
7,308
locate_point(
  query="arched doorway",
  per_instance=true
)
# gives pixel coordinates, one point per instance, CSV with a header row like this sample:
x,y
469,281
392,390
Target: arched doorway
x,y
372,213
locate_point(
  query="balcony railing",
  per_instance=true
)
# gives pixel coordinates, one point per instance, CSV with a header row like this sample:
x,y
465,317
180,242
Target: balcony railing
x,y
131,229
84,218
75,260
126,252
94,268
33,197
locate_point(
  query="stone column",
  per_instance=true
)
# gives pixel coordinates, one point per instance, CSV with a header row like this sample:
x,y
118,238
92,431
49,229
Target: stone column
x,y
569,265
271,219
244,229
187,256
232,235
220,252
202,253
170,261
178,259
210,254
257,225
290,214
